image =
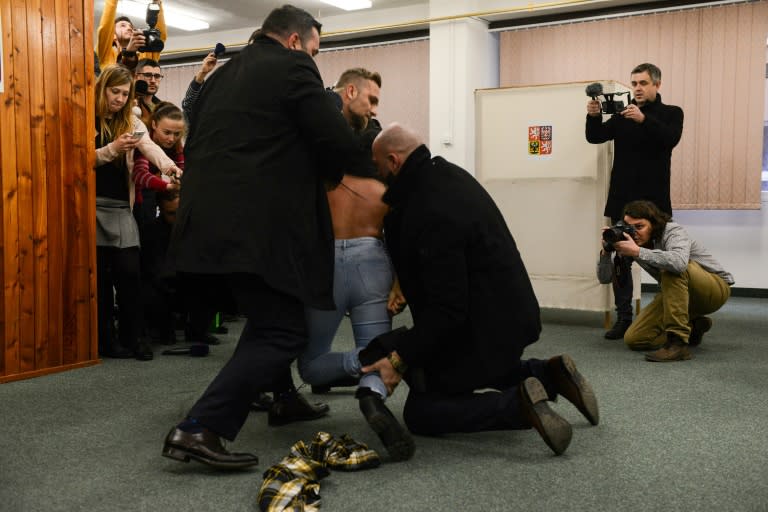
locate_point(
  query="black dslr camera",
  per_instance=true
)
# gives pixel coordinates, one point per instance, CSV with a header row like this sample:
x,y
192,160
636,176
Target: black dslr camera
x,y
608,104
152,36
615,234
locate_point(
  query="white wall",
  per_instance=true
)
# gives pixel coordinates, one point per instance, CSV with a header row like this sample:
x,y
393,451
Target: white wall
x,y
738,239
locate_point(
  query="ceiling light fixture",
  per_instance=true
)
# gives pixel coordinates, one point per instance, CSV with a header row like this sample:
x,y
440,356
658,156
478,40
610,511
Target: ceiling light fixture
x,y
349,5
173,18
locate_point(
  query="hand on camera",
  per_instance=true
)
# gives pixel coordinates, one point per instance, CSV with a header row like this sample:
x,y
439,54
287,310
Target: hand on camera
x,y
627,247
634,113
136,42
593,108
125,142
206,67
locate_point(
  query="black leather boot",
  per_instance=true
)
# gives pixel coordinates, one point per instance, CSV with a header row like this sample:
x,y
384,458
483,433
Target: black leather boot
x,y
397,440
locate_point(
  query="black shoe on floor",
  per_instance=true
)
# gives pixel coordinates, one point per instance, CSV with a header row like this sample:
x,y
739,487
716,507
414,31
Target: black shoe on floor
x,y
205,447
396,439
617,331
204,337
143,352
116,352
554,429
699,326
262,403
290,407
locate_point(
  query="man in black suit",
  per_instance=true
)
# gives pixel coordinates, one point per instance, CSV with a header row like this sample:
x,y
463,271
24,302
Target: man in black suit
x,y
474,309
254,214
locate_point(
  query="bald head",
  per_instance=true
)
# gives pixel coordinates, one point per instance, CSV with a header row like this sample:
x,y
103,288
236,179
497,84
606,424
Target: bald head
x,y
392,147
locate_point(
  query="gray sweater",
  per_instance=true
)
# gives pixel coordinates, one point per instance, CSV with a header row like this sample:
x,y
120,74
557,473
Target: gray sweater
x,y
672,253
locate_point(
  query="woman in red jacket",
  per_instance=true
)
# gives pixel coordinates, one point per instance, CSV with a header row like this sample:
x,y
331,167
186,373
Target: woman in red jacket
x,y
166,130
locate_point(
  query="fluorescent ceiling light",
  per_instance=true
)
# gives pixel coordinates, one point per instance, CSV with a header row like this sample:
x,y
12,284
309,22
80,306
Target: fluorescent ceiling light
x,y
349,5
173,18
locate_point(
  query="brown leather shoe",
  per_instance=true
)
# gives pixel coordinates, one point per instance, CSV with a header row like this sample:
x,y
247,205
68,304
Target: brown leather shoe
x,y
574,387
674,349
294,407
554,429
205,447
698,327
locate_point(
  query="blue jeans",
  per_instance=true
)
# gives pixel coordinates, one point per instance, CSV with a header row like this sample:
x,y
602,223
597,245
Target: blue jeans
x,y
362,279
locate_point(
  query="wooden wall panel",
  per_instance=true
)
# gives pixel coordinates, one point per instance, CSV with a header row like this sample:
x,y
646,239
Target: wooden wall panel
x,y
56,167
47,234
13,97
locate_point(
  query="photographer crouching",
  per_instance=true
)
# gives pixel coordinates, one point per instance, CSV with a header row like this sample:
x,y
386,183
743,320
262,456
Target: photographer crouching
x,y
693,283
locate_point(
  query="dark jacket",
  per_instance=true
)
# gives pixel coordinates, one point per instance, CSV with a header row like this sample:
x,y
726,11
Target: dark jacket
x,y
473,306
642,154
264,140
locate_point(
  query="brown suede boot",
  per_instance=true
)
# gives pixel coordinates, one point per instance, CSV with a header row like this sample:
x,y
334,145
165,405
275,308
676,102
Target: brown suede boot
x,y
675,349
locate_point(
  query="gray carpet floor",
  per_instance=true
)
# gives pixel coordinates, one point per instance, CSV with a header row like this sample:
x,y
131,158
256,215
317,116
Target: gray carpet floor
x,y
681,436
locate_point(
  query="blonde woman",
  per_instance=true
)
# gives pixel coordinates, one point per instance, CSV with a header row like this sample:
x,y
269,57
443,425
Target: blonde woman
x,y
118,133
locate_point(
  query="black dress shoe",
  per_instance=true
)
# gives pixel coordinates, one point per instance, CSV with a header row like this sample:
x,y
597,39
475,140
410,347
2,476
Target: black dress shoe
x,y
205,447
574,387
396,439
699,326
554,429
116,352
262,403
291,407
202,337
143,352
617,331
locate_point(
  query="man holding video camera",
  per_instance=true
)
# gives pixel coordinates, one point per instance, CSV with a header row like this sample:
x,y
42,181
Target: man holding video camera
x,y
693,283
644,134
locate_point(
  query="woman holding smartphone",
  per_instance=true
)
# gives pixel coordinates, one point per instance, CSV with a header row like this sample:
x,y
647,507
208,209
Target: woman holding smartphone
x,y
118,134
166,130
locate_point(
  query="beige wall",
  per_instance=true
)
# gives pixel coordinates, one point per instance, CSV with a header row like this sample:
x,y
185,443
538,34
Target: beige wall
x,y
713,66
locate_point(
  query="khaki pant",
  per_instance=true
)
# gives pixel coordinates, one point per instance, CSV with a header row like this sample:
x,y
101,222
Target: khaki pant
x,y
683,298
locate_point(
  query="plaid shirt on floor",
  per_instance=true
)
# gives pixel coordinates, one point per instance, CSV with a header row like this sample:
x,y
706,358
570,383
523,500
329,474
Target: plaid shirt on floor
x,y
292,485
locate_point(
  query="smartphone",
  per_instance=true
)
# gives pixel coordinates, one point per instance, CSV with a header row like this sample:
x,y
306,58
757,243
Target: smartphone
x,y
137,134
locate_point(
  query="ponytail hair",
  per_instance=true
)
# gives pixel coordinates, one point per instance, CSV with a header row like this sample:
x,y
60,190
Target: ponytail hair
x,y
167,110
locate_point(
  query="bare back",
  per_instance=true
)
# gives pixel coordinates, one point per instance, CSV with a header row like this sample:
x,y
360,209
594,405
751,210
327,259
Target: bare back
x,y
356,208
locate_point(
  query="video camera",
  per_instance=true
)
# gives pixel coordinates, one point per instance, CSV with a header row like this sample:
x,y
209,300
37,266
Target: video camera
x,y
152,37
608,105
615,234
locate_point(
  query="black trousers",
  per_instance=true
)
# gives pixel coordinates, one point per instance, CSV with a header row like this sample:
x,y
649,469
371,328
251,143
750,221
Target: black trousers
x,y
275,334
622,289
118,268
434,412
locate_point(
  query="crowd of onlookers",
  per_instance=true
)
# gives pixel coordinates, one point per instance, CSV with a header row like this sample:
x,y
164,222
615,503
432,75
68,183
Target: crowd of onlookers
x,y
139,164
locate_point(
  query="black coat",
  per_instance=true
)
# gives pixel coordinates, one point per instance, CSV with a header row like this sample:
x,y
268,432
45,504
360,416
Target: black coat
x,y
642,154
473,306
265,138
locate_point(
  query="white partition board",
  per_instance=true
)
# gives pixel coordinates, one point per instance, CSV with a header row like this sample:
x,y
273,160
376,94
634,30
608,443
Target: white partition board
x,y
552,202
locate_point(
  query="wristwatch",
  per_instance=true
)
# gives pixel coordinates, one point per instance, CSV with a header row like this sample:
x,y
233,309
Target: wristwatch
x,y
397,363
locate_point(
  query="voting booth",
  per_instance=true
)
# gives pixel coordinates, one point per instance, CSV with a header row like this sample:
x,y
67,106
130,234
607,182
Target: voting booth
x,y
551,186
